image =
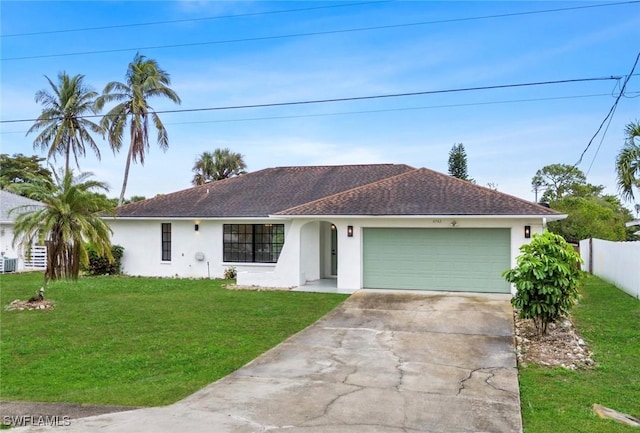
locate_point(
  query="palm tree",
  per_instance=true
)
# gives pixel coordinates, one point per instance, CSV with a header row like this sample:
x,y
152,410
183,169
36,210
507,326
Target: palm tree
x,y
628,162
144,80
221,164
63,129
71,216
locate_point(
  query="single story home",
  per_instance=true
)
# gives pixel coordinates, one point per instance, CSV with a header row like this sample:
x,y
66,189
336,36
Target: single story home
x,y
14,258
384,226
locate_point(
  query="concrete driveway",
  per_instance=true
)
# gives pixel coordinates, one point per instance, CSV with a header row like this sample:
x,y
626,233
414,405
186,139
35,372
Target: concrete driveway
x,y
381,362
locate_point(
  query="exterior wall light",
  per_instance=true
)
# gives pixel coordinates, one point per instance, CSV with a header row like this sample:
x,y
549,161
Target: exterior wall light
x,y
349,231
196,227
527,232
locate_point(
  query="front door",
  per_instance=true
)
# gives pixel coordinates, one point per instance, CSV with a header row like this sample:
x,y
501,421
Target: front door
x,y
334,250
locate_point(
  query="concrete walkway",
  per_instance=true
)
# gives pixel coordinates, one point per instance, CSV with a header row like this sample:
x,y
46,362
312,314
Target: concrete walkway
x,y
382,362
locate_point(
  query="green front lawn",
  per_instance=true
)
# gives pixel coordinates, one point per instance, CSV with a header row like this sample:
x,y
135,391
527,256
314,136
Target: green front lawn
x,y
556,400
139,341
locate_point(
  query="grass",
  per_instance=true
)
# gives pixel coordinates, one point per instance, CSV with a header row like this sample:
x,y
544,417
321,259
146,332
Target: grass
x,y
556,400
139,341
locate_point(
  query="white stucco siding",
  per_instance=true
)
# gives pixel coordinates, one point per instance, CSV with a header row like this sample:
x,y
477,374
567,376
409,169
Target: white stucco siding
x,y
6,246
310,245
142,242
6,239
306,254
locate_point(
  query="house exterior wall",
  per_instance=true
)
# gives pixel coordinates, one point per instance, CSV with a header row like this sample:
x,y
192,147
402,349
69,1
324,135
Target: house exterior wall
x,y
37,260
310,244
6,248
304,257
350,272
142,242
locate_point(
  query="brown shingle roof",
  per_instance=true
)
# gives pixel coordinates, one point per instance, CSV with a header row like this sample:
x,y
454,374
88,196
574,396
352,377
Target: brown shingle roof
x,y
261,193
420,192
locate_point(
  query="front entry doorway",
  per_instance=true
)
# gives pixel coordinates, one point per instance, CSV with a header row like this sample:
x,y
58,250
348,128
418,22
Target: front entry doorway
x,y
334,250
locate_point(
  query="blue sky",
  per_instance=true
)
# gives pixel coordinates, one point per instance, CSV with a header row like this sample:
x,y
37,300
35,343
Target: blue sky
x,y
508,133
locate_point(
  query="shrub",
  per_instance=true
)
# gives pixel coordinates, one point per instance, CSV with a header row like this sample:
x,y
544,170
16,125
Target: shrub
x,y
230,273
547,279
100,265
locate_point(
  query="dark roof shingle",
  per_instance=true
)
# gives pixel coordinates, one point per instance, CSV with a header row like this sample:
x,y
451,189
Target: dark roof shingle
x,y
261,193
420,192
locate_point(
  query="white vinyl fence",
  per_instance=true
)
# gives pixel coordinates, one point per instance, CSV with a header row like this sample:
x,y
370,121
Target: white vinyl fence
x,y
38,258
616,262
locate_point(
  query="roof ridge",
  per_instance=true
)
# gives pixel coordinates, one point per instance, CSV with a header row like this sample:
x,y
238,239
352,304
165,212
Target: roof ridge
x,y
492,191
350,190
385,164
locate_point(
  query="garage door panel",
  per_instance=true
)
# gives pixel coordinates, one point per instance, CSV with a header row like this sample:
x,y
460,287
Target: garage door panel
x,y
436,259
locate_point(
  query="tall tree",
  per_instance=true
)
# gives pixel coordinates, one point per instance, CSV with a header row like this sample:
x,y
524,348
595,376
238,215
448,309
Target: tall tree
x,y
221,164
591,216
458,162
628,162
70,217
62,125
144,80
20,168
558,180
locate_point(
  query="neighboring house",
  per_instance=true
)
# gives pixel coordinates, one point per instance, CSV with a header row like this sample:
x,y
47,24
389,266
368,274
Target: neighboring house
x,y
14,258
369,226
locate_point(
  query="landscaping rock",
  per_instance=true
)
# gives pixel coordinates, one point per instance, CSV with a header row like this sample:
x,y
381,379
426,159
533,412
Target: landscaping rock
x,y
44,304
561,347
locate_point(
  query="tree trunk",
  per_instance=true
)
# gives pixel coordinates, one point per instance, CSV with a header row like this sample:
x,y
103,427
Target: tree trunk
x,y
66,166
126,176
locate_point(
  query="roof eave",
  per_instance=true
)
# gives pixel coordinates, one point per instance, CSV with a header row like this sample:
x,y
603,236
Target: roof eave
x,y
547,217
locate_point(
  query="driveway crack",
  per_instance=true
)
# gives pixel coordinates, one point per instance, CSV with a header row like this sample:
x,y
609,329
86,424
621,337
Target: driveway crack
x,y
491,373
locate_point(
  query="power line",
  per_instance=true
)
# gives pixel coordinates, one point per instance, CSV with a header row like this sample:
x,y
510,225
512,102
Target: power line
x,y
611,111
317,33
595,155
387,110
361,98
383,110
186,20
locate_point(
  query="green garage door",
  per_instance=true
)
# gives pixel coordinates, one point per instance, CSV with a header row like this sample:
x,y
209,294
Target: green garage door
x,y
457,259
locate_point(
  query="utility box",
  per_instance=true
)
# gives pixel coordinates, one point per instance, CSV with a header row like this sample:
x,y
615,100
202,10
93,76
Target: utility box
x,y
9,265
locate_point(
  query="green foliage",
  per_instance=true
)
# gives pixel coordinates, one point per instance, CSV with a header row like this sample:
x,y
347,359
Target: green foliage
x,y
140,341
144,80
230,273
69,218
601,217
63,126
559,400
135,198
628,162
547,279
458,162
558,180
19,169
100,264
217,165
590,213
